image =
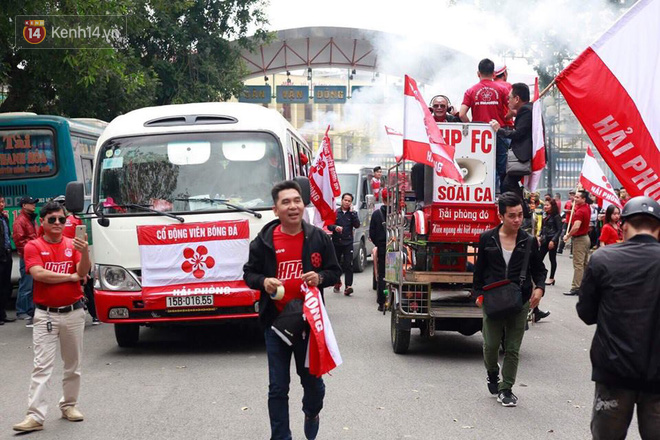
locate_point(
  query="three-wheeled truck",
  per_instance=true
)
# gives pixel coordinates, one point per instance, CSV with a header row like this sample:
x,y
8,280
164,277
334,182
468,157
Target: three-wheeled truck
x,y
433,233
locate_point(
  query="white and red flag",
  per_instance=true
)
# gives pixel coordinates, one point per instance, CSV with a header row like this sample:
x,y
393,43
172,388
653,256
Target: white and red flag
x,y
593,180
324,184
322,350
422,141
396,140
613,89
538,142
194,259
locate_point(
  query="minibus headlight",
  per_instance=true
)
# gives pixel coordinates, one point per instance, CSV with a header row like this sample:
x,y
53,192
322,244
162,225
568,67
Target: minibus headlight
x,y
116,278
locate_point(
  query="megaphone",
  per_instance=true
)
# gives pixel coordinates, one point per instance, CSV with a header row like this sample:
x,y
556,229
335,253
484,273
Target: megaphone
x,y
474,170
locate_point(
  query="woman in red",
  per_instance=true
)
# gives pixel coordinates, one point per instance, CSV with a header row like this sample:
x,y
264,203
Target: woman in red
x,y
611,232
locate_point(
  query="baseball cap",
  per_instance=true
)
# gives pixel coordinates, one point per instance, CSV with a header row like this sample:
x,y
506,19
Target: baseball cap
x,y
28,200
500,68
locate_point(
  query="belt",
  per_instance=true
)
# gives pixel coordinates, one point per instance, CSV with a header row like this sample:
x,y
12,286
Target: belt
x,y
66,309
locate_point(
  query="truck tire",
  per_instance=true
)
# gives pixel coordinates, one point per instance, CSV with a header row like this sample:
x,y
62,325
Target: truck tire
x,y
127,335
360,260
400,337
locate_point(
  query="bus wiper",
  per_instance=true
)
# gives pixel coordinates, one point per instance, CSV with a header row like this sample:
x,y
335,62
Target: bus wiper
x,y
147,209
222,201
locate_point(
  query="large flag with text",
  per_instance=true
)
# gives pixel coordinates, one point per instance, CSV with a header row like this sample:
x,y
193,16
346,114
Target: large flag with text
x,y
613,89
593,180
422,141
322,349
324,184
538,142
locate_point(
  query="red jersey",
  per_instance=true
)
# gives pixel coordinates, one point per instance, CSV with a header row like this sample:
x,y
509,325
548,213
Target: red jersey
x,y
488,100
375,187
567,209
57,257
507,86
609,234
288,252
582,213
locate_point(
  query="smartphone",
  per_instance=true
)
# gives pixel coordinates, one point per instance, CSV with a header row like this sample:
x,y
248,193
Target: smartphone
x,y
81,230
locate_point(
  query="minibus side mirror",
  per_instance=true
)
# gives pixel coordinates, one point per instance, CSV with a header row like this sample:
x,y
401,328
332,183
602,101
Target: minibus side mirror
x,y
74,197
304,185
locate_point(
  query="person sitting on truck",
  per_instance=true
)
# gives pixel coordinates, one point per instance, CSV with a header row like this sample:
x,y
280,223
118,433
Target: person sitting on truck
x,y
286,253
342,239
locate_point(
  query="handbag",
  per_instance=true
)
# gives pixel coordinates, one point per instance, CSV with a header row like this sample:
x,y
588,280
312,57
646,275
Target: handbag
x,y
290,324
504,298
515,167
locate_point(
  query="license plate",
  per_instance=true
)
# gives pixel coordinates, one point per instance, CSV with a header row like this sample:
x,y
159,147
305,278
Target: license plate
x,y
189,301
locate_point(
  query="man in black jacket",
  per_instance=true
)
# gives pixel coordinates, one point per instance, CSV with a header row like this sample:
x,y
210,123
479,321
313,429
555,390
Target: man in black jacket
x,y
342,239
520,134
286,253
620,294
378,236
500,257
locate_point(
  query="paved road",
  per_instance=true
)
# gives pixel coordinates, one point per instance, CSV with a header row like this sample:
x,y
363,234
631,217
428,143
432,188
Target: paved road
x,y
211,382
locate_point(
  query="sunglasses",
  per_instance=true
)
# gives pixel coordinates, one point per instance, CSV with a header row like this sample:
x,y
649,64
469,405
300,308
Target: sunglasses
x,y
52,220
439,106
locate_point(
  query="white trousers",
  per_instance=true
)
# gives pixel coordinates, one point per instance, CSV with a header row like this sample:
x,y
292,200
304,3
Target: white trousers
x,y
68,330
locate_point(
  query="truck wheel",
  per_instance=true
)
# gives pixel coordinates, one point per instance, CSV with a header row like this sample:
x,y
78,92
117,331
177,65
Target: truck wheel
x,y
360,260
127,335
400,337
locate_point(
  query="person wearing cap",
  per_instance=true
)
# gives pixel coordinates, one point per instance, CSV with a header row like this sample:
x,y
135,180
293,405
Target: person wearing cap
x,y
57,264
619,293
25,230
5,263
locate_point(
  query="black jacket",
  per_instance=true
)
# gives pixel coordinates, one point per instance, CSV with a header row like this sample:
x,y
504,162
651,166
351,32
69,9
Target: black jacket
x,y
491,267
5,253
551,229
262,264
348,221
377,232
620,293
521,134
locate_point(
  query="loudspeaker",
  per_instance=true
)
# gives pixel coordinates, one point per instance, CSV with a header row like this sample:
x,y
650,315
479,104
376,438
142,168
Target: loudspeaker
x,y
474,171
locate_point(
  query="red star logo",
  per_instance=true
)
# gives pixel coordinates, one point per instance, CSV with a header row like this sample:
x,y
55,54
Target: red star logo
x,y
197,261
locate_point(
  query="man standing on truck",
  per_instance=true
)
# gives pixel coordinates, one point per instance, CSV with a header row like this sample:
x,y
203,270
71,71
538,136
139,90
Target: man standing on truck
x,y
500,258
286,253
342,239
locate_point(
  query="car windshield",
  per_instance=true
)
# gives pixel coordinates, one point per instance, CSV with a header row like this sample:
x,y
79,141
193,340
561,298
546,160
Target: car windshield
x,y
168,172
348,184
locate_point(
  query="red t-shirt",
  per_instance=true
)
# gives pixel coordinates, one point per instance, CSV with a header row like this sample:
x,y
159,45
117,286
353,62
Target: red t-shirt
x,y
375,187
507,86
57,257
288,251
582,213
567,209
488,100
609,235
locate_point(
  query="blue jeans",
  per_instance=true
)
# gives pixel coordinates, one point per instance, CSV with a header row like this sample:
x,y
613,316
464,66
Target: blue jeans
x,y
24,304
501,149
279,366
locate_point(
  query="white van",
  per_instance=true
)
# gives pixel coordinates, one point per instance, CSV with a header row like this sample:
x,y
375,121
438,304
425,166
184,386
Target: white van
x,y
179,165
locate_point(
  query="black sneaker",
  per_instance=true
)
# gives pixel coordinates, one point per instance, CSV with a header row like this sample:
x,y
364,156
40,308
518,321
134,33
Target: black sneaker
x,y
540,314
311,427
493,381
507,398
380,307
571,293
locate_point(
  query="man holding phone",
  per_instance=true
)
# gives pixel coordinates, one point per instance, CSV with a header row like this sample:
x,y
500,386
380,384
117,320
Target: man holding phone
x,y
57,265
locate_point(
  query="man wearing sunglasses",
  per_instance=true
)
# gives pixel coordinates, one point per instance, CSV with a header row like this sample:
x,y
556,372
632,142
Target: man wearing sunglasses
x,y
441,110
57,264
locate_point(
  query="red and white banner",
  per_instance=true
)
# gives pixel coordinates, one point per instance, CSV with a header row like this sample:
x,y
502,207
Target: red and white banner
x,y
322,351
538,142
324,184
422,141
396,140
593,180
613,89
194,258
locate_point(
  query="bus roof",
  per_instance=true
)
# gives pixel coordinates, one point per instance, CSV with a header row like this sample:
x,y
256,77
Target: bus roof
x,y
199,117
26,119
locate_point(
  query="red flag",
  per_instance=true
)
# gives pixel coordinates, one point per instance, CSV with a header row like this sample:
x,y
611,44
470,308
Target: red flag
x,y
322,352
613,89
323,182
538,142
593,180
422,141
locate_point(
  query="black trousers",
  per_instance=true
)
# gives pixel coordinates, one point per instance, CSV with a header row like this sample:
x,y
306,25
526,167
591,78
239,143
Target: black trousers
x,y
512,184
613,410
344,254
380,299
5,283
553,257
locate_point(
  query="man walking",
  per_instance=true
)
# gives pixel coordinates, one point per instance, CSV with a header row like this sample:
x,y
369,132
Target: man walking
x,y
24,231
57,265
378,236
342,239
286,253
620,295
5,263
500,257
579,232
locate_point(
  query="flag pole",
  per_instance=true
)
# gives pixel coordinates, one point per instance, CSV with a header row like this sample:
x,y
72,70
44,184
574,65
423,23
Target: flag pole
x,y
547,89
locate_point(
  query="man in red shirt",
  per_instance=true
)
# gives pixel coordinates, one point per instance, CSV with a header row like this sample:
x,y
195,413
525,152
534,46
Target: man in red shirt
x,y
376,182
23,231
487,101
579,232
57,264
568,206
286,253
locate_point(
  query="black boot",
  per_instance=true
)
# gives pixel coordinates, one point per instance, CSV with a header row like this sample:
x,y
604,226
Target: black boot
x,y
540,314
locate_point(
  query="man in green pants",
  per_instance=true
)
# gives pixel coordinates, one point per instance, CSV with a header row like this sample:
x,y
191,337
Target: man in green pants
x,y
500,257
